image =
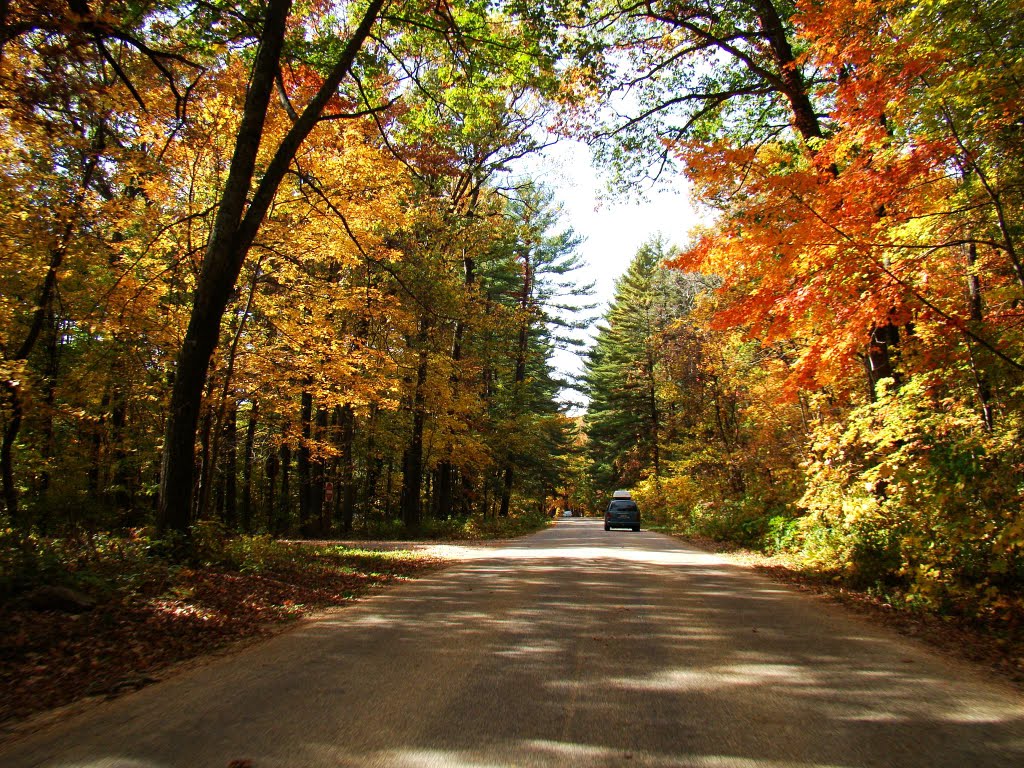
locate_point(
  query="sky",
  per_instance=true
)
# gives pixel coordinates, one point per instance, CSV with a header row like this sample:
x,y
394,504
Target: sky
x,y
613,229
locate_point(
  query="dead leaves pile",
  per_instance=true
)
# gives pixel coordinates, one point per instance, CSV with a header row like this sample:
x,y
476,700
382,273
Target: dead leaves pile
x,y
50,658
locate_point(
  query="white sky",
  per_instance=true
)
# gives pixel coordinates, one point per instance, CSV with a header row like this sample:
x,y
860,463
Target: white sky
x,y
613,230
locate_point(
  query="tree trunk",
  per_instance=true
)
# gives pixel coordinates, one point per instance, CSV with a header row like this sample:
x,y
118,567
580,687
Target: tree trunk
x,y
976,309
506,492
205,466
374,464
221,265
805,119
10,490
247,460
302,467
50,373
44,305
125,487
239,217
270,468
655,416
412,459
347,492
445,504
231,469
94,476
443,490
284,507
520,372
319,478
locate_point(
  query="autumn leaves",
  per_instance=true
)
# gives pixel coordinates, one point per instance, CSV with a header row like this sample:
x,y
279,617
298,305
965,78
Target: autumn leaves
x,y
279,256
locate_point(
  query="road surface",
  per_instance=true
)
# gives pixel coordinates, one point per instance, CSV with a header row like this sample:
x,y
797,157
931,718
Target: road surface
x,y
573,647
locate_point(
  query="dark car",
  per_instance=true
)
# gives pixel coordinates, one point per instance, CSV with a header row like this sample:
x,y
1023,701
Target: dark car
x,y
622,513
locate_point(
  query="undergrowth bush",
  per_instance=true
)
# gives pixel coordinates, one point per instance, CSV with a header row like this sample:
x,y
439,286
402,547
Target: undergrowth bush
x,y
910,491
908,496
96,563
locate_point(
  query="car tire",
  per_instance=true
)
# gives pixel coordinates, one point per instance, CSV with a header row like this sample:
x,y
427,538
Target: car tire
x,y
607,527
636,529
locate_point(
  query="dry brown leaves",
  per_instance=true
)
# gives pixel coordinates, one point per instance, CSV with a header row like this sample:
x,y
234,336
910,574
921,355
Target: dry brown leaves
x,y
49,658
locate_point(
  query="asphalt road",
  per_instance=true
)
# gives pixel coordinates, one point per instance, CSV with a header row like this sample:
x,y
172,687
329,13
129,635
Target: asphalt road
x,y
573,647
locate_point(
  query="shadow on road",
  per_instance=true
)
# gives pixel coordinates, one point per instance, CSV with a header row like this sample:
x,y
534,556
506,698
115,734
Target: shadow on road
x,y
633,649
572,647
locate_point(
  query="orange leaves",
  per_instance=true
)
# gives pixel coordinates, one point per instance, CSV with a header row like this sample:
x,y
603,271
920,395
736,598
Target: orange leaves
x,y
874,221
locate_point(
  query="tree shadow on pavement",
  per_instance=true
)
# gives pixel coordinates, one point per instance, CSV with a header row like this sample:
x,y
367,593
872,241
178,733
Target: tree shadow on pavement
x,y
576,647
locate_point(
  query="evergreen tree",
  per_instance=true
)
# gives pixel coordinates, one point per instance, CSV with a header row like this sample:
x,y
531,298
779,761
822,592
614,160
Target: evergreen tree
x,y
626,417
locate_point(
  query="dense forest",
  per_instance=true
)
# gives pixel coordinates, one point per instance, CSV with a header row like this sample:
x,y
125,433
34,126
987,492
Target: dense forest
x,y
261,271
832,368
268,271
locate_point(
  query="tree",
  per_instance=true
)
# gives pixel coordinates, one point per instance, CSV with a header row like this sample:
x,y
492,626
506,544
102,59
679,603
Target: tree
x,y
627,414
238,221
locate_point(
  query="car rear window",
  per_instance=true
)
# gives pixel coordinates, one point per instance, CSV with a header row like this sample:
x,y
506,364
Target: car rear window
x,y
623,506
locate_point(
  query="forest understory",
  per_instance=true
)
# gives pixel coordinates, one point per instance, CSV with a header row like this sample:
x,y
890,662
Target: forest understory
x,y
132,619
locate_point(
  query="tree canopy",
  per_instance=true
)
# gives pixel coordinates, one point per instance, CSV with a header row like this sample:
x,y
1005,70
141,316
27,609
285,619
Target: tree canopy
x,y
269,265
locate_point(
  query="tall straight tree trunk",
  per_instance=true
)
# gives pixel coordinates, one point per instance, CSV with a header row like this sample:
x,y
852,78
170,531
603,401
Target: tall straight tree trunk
x,y
206,474
247,460
443,490
374,464
94,476
50,373
284,506
231,469
976,310
125,487
11,429
239,217
446,471
520,372
347,492
270,468
320,511
506,491
302,466
412,460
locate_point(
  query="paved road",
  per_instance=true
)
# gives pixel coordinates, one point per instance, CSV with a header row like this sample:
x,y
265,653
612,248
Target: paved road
x,y
573,647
